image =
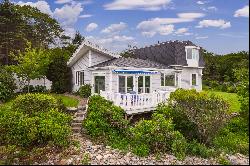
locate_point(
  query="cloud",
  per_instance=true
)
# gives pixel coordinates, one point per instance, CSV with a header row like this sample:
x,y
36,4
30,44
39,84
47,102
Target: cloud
x,y
68,14
182,32
114,28
68,31
201,2
243,12
85,16
91,27
62,1
149,5
164,26
233,36
115,43
222,24
43,6
201,37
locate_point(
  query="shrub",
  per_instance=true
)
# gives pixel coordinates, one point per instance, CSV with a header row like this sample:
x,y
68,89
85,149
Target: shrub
x,y
204,115
84,91
199,149
157,135
7,84
35,102
103,117
37,88
19,128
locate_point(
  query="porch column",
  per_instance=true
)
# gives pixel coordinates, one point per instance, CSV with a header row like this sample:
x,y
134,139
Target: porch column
x,y
111,81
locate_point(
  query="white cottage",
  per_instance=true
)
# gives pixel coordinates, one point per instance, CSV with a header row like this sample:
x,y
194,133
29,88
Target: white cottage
x,y
138,84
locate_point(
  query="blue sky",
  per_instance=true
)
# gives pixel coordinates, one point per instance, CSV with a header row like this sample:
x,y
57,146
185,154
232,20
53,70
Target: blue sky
x,y
220,26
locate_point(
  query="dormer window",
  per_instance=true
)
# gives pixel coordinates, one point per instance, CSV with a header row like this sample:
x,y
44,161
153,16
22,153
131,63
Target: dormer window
x,y
193,53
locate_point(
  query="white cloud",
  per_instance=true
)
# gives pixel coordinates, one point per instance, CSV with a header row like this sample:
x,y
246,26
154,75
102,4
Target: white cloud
x,y
243,12
182,31
164,26
69,32
85,16
200,2
92,26
114,28
62,1
151,5
222,24
201,37
114,43
68,14
43,6
212,8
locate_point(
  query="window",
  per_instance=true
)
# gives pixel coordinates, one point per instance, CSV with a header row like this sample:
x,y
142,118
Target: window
x,y
126,84
79,78
167,80
193,53
194,79
144,84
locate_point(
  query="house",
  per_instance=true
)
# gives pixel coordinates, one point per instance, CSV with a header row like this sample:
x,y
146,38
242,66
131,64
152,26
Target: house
x,y
140,82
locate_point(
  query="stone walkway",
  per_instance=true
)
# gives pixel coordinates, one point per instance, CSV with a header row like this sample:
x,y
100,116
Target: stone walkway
x,y
86,152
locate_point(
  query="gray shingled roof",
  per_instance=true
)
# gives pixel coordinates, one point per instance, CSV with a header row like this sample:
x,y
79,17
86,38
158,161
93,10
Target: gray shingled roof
x,y
168,53
131,62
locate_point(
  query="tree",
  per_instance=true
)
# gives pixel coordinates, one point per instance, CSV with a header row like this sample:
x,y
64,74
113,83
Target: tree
x,y
21,23
32,64
78,39
58,72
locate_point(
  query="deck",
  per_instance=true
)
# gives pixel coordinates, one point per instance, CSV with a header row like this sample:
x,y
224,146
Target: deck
x,y
137,103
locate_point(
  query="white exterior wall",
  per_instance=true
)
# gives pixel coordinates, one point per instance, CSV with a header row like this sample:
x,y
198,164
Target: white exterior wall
x,y
186,78
89,59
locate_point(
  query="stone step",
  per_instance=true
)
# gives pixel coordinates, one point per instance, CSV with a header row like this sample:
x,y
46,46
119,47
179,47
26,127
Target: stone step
x,y
77,120
76,129
76,124
80,114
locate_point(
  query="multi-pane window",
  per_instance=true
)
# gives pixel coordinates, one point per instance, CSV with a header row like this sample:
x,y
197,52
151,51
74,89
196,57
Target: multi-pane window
x,y
144,84
167,80
194,79
79,78
126,84
193,53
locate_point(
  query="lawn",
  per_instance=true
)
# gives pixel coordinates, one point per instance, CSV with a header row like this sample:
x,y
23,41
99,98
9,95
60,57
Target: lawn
x,y
67,101
232,98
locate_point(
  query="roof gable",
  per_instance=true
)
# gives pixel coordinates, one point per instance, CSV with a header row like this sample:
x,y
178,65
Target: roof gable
x,y
85,47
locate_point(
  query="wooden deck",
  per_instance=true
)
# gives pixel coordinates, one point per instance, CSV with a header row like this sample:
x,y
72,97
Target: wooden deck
x,y
137,103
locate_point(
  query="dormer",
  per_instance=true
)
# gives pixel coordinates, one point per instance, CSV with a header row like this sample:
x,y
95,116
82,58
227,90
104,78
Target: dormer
x,y
192,55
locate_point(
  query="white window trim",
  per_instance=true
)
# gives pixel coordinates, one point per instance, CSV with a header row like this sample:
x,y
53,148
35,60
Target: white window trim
x,y
192,47
126,76
165,78
144,83
77,77
196,83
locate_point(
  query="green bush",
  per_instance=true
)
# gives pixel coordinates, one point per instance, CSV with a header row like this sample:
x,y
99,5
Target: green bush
x,y
201,114
103,117
32,103
7,85
37,88
197,149
84,91
24,128
157,135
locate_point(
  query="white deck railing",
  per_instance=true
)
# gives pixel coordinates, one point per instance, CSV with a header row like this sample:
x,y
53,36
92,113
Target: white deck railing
x,y
135,103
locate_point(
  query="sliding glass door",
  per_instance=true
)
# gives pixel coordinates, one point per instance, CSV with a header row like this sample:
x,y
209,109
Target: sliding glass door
x,y
99,83
126,84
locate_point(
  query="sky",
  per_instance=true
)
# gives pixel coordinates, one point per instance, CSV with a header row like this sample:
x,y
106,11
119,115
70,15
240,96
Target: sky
x,y
219,26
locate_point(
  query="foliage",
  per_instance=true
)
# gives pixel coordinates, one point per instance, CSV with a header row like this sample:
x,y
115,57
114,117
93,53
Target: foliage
x,y
7,84
19,24
58,72
20,127
157,135
103,117
32,64
32,103
202,115
66,100
199,149
37,88
84,91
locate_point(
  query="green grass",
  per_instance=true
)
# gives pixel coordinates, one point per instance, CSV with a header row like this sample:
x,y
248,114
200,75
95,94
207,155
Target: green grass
x,y
231,98
67,101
